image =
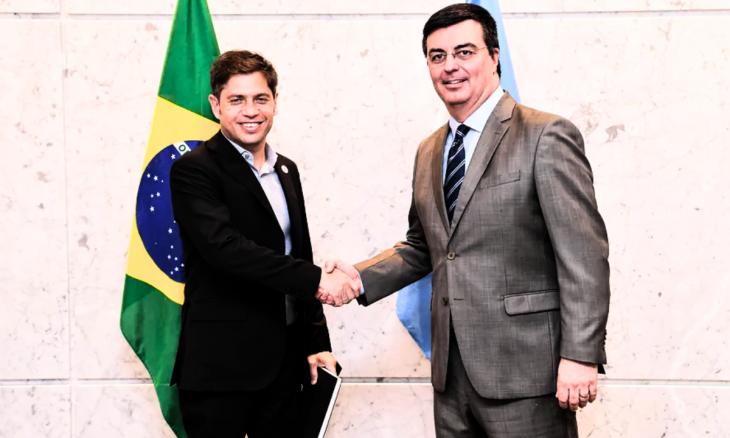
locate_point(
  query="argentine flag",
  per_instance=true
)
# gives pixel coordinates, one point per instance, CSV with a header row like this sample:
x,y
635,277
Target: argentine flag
x,y
413,304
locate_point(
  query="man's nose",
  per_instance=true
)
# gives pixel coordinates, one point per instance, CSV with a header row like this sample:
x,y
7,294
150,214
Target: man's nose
x,y
450,65
249,110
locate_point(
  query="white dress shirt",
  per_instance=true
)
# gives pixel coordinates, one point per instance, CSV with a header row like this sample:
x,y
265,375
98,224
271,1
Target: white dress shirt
x,y
271,184
475,122
269,180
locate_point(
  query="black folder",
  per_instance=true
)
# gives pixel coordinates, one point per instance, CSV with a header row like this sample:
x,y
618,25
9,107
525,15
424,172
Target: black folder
x,y
319,402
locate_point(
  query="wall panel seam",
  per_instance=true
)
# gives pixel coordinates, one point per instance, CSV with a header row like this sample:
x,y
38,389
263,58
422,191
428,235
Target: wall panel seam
x,y
355,381
366,16
69,295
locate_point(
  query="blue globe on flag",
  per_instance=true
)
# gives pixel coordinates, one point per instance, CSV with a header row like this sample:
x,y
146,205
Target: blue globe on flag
x,y
155,221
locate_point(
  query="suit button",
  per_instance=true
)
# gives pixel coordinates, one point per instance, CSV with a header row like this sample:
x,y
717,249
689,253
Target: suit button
x,y
445,300
451,256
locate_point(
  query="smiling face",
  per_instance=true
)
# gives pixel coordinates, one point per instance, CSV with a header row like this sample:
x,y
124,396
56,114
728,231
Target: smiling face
x,y
463,85
246,109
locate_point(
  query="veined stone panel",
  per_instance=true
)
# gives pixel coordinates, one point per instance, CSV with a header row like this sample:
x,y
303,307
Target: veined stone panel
x,y
29,6
113,73
401,410
527,6
383,411
33,260
653,411
121,411
396,411
262,7
651,98
35,412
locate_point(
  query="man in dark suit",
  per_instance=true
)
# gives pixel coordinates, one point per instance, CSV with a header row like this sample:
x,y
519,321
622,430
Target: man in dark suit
x,y
252,331
504,214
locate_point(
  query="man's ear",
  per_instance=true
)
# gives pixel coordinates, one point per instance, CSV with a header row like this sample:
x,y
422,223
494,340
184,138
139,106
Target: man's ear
x,y
495,58
276,102
215,106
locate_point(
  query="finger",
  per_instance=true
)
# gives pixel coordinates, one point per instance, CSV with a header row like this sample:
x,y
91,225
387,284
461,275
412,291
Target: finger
x,y
350,293
313,372
593,390
331,367
562,396
322,296
356,287
583,397
573,399
337,300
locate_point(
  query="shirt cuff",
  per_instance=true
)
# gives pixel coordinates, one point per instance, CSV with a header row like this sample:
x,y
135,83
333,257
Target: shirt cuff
x,y
362,286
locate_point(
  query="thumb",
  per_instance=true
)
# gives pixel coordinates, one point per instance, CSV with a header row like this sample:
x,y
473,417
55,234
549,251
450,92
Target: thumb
x,y
329,266
347,269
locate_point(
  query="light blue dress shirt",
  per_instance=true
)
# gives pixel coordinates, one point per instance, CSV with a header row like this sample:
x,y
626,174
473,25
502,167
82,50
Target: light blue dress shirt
x,y
475,122
269,180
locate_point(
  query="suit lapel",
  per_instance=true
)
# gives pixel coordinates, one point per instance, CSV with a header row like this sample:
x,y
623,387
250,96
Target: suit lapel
x,y
437,170
292,204
228,158
492,134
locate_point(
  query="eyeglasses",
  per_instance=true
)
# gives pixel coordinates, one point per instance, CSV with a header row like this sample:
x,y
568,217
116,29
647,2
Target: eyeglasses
x,y
437,58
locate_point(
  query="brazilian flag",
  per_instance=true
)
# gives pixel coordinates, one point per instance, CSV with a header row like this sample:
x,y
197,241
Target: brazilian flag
x,y
155,277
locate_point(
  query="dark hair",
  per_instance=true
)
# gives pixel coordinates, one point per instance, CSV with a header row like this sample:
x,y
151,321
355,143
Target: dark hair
x,y
240,62
455,14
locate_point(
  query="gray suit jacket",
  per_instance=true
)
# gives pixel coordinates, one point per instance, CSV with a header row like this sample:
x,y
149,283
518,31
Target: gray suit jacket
x,y
523,270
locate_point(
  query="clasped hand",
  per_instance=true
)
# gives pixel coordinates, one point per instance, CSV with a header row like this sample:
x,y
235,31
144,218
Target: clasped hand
x,y
339,284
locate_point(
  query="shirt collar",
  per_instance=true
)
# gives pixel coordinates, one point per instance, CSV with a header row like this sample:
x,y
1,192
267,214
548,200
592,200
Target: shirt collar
x,y
478,119
271,157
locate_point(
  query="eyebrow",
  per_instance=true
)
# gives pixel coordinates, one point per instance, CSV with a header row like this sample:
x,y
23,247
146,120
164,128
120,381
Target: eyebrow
x,y
465,46
241,96
459,47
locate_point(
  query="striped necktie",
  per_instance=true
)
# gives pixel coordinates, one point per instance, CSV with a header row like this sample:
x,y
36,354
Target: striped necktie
x,y
455,171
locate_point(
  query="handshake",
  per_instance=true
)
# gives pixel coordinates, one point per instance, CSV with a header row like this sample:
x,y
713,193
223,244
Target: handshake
x,y
340,283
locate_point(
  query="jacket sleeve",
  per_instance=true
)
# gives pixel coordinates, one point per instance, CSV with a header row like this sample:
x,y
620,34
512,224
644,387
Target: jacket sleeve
x,y
201,213
395,268
578,235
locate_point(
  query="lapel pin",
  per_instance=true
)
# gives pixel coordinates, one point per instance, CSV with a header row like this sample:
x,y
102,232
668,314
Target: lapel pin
x,y
284,169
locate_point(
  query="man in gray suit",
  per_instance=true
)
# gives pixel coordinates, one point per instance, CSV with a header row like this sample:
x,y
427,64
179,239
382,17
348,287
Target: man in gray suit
x,y
504,214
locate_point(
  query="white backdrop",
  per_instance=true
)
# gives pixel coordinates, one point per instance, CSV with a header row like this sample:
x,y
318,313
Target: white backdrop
x,y
645,80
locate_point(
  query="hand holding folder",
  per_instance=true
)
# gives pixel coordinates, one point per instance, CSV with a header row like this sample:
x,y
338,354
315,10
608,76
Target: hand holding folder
x,y
318,402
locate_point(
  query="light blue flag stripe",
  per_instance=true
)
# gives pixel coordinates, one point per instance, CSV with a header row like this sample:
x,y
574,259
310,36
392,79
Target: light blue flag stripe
x,y
414,301
509,82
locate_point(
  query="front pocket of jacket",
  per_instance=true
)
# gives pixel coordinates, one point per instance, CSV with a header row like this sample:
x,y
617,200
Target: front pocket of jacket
x,y
498,180
532,302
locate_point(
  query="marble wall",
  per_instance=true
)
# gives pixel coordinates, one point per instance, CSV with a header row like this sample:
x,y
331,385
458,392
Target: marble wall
x,y
645,80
